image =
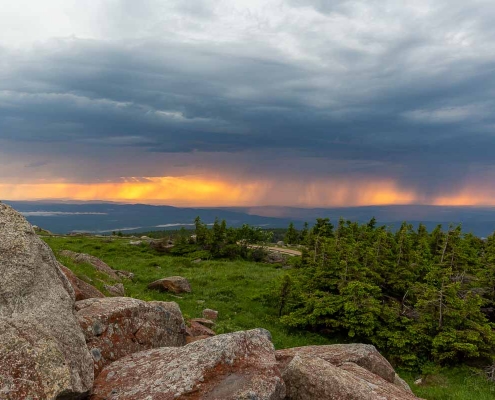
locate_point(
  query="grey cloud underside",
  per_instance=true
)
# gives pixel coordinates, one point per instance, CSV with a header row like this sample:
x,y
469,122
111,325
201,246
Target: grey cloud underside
x,y
397,100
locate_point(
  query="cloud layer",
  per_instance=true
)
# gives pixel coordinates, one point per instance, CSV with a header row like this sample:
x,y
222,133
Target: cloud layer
x,y
384,96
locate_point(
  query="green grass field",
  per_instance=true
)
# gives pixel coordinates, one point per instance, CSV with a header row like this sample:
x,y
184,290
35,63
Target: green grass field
x,y
234,288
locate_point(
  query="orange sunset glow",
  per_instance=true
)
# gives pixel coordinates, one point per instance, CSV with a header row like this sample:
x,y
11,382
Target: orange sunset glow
x,y
195,191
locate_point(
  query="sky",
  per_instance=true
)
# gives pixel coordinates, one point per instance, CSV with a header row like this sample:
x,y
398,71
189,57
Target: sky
x,y
306,103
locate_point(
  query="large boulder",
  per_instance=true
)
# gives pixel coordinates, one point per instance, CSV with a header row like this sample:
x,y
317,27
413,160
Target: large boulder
x,y
239,365
308,377
174,284
115,327
364,355
99,265
43,354
82,290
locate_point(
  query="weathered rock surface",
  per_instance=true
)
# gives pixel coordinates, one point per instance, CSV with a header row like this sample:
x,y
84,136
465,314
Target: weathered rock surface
x,y
169,306
98,264
308,378
398,381
208,313
174,284
115,327
347,371
115,290
364,355
239,365
205,322
82,290
43,354
382,388
197,329
192,339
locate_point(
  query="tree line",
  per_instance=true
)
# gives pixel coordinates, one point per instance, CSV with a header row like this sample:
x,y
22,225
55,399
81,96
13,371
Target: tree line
x,y
421,297
220,241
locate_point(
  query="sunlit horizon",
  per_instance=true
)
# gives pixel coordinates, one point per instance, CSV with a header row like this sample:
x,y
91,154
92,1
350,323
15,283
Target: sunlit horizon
x,y
190,191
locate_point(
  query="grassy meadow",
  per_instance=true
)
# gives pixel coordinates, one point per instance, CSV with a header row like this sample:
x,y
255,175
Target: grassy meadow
x,y
235,289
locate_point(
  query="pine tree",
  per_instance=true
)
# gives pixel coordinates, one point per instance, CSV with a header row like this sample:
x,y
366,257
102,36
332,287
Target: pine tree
x,y
292,235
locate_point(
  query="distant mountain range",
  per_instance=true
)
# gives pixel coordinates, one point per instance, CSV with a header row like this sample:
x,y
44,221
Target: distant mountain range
x,y
104,218
96,217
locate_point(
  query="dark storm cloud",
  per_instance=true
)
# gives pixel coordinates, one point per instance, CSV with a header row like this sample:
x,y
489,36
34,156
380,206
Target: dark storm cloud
x,y
413,99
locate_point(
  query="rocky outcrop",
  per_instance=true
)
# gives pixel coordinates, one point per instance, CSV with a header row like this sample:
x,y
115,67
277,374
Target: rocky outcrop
x,y
99,265
239,365
174,284
43,354
364,355
82,290
342,371
309,378
115,327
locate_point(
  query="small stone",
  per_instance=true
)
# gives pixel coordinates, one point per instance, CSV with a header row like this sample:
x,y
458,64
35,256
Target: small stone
x,y
210,314
197,329
205,322
174,284
125,274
